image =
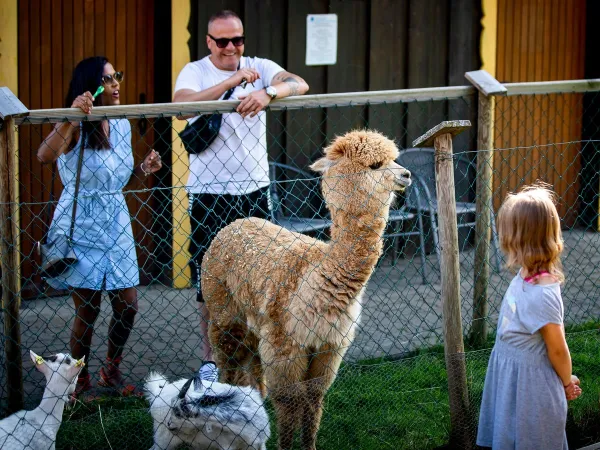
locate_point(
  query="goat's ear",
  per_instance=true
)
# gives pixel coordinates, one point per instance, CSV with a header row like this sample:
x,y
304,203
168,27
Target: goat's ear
x,y
322,165
39,363
76,368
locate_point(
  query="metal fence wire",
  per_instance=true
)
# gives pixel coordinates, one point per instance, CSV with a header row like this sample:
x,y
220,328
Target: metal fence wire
x,y
391,390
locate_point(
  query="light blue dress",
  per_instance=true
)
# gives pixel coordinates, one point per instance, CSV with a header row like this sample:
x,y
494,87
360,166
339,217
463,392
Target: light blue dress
x,y
524,404
103,238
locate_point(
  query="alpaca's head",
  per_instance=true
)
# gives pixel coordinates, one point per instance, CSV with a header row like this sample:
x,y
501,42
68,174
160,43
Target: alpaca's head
x,y
60,370
360,175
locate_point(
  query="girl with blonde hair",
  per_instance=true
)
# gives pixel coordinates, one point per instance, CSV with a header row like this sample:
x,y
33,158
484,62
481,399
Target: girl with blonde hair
x,y
529,378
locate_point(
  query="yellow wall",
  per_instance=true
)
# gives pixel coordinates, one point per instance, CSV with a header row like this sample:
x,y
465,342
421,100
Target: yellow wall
x,y
180,11
9,66
9,74
489,35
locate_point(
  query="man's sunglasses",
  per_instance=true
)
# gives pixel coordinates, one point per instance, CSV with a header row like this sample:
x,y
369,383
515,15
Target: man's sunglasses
x,y
117,76
238,41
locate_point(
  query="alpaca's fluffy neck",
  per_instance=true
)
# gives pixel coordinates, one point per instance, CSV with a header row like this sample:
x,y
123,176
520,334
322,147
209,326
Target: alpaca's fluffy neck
x,y
355,247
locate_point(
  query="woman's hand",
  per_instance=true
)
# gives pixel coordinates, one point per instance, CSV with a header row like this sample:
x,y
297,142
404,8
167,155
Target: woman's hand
x,y
85,102
152,163
572,390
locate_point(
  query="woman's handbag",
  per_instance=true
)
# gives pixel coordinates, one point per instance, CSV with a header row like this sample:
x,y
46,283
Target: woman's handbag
x,y
57,256
198,135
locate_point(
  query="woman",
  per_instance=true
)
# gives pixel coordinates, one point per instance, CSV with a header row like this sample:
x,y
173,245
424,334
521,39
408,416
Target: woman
x,y
103,238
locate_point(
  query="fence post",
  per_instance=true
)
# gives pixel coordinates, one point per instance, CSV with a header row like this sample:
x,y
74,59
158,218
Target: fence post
x,y
460,418
10,106
487,86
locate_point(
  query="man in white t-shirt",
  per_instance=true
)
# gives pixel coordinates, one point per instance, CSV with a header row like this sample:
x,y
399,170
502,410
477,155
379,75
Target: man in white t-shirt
x,y
230,179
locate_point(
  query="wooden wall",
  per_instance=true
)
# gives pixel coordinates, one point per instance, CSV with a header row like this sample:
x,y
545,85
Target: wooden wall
x,y
382,44
540,40
53,37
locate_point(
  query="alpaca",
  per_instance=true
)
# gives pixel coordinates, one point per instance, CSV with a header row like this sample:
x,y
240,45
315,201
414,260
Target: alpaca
x,y
283,306
37,429
209,416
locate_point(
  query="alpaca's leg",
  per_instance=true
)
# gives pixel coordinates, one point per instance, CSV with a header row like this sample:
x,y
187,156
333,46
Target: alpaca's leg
x,y
236,354
322,370
285,367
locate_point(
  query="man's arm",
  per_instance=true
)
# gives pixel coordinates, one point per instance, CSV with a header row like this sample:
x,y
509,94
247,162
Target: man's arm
x,y
288,84
215,92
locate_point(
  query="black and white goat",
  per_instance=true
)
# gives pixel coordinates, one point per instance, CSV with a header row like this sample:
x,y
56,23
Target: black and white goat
x,y
37,429
210,415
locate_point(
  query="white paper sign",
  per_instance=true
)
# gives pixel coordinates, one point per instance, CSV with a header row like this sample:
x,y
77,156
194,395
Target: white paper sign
x,y
321,39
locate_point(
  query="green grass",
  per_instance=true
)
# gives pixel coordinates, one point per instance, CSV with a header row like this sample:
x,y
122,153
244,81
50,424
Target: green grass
x,y
377,404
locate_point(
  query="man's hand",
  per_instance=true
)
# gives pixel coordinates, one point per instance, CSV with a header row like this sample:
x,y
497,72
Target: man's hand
x,y
253,103
250,75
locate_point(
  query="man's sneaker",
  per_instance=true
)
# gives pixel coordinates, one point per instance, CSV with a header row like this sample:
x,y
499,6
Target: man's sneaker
x,y
209,372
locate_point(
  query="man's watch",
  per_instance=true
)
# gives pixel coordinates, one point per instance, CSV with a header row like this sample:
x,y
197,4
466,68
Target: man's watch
x,y
271,92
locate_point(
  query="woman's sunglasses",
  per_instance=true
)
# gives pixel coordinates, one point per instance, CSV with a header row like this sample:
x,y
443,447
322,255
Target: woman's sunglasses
x,y
238,41
117,76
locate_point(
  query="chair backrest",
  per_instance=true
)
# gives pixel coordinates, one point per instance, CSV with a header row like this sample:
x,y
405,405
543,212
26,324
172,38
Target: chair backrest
x,y
421,163
295,192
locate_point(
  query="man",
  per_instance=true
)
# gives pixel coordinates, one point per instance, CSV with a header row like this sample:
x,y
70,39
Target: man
x,y
230,179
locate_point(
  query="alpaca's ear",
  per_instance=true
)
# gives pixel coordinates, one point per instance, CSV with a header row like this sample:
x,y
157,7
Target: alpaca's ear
x,y
322,165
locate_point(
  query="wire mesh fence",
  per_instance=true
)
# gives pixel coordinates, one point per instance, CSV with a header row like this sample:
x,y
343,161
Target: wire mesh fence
x,y
391,389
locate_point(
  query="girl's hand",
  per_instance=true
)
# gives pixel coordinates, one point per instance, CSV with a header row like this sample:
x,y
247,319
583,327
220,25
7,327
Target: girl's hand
x,y
152,162
572,390
85,102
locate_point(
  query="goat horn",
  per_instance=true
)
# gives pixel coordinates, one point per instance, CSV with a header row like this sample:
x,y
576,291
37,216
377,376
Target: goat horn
x,y
185,388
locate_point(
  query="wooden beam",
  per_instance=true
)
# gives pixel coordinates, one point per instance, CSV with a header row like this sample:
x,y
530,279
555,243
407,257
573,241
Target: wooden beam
x,y
460,418
485,83
10,105
9,254
451,127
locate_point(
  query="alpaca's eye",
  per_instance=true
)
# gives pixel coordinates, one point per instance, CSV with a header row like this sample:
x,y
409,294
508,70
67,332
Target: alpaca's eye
x,y
376,166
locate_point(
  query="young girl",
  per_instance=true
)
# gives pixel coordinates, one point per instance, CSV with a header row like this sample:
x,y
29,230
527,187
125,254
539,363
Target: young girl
x,y
103,238
529,380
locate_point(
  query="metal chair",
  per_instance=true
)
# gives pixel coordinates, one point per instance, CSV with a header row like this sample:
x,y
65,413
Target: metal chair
x,y
296,199
421,163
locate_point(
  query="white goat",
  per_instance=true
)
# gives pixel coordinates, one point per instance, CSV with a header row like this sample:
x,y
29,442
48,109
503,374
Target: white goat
x,y
210,416
37,429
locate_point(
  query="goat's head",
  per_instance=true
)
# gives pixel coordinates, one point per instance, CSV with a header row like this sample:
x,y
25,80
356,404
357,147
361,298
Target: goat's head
x,y
60,370
359,168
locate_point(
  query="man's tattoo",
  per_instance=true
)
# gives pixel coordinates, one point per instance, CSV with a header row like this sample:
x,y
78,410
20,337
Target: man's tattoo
x,y
291,82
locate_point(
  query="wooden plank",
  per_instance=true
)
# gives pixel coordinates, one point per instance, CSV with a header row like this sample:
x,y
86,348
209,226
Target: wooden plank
x,y
451,127
25,132
10,105
67,46
485,83
464,33
111,32
483,204
259,16
389,25
460,437
130,66
120,58
427,60
100,28
79,32
9,255
304,102
89,29
350,73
